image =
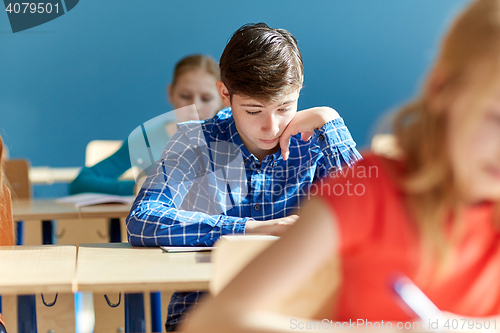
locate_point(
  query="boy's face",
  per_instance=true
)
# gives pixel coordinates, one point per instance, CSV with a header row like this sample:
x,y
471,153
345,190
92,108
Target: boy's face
x,y
259,124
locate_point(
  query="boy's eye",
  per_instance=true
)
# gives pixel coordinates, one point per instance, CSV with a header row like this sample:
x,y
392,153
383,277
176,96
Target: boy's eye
x,y
206,99
185,97
252,112
284,110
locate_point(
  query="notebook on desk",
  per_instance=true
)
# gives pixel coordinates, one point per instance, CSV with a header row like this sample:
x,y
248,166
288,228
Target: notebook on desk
x,y
174,249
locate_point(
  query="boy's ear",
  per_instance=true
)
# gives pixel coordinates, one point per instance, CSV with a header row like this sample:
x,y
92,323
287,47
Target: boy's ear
x,y
223,93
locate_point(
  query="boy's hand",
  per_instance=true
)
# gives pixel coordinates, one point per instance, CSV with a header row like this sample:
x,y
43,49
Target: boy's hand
x,y
306,122
274,227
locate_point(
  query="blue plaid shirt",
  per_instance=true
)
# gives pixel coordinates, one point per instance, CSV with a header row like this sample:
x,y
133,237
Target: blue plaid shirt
x,y
207,184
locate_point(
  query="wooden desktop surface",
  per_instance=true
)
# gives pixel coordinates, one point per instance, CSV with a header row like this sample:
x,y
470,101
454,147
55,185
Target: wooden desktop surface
x,y
49,209
37,269
118,267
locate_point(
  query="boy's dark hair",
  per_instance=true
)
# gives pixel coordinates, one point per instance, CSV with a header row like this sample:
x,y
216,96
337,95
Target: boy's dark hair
x,y
261,62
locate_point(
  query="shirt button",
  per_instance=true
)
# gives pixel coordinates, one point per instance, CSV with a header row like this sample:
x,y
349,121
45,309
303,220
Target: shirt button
x,y
321,137
257,206
258,170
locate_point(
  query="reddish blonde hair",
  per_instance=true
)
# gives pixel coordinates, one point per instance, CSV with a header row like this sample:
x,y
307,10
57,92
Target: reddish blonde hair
x,y
471,45
1,164
6,221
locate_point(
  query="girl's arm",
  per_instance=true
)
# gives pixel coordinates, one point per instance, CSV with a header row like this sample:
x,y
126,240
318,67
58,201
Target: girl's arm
x,y
103,177
248,302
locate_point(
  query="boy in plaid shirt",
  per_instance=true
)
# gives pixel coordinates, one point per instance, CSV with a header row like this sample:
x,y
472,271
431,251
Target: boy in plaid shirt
x,y
247,169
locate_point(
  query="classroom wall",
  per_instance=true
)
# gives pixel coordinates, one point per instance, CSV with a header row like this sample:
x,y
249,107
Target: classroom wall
x,y
100,70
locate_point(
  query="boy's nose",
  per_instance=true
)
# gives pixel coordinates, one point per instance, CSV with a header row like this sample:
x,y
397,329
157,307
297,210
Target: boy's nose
x,y
270,126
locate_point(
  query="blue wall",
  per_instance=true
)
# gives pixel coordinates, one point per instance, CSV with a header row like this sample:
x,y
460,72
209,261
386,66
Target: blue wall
x,y
101,69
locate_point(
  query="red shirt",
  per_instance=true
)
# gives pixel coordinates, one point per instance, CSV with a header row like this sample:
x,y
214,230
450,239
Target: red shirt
x,y
378,238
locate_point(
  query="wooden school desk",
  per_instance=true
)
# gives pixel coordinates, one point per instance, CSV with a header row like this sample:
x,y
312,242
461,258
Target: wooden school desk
x,y
49,209
39,212
45,210
120,268
44,271
105,268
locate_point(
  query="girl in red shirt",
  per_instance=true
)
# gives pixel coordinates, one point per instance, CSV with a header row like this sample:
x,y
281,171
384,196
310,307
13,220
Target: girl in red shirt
x,y
432,215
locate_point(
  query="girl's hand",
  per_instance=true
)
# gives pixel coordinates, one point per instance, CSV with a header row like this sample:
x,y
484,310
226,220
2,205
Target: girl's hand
x,y
306,122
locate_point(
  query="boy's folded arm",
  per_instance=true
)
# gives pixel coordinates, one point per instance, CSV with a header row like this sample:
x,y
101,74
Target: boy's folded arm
x,y
337,145
154,223
156,218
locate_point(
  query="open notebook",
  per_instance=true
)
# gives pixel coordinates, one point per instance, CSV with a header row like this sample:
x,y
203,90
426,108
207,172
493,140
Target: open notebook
x,y
174,249
87,199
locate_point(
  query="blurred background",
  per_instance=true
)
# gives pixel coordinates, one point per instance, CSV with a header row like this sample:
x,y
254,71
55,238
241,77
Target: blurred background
x,y
101,70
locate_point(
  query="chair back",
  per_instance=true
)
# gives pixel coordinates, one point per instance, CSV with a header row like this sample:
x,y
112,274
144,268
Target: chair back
x,y
98,150
17,175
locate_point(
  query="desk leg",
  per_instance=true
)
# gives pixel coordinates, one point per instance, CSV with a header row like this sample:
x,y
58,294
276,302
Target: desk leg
x,y
134,303
26,304
115,232
48,232
134,313
19,232
26,314
156,322
115,237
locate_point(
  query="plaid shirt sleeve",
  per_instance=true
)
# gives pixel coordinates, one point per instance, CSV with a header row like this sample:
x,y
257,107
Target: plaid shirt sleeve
x,y
156,218
337,146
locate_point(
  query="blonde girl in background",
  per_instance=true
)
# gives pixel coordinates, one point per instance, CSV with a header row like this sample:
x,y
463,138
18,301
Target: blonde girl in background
x,y
432,214
193,82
